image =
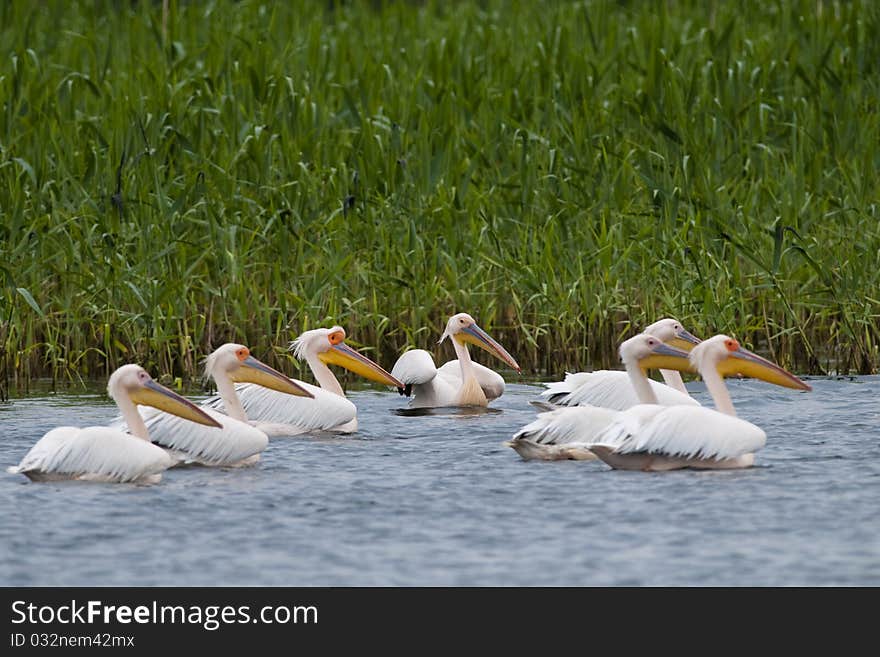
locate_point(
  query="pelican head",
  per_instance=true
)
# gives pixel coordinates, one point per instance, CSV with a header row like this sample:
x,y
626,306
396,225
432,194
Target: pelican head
x,y
463,328
650,352
729,358
328,345
134,383
235,362
672,333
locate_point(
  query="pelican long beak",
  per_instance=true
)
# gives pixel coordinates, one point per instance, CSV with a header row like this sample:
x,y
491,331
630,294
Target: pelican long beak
x,y
344,356
254,371
477,336
742,361
684,339
667,357
158,396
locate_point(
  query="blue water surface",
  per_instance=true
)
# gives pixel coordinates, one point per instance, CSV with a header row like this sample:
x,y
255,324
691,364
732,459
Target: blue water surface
x,y
438,500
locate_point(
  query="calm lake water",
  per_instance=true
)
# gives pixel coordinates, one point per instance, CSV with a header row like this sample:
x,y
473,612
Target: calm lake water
x,y
438,500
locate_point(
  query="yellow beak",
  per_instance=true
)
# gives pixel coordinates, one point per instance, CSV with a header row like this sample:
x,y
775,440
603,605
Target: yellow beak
x,y
667,357
477,336
684,339
344,356
744,362
157,396
254,371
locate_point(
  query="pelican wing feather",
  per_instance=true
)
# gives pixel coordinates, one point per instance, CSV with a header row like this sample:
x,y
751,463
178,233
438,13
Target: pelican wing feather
x,y
608,389
229,444
414,367
682,431
490,381
98,453
325,412
567,425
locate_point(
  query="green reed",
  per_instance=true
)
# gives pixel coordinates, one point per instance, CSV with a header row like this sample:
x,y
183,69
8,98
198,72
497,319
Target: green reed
x,y
565,172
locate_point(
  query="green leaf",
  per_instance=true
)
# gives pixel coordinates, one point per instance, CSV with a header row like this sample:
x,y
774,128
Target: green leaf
x,y
24,164
30,301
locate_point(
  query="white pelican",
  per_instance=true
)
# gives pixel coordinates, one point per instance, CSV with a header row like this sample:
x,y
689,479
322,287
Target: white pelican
x,y
238,443
613,389
655,438
670,331
283,414
109,454
460,382
638,354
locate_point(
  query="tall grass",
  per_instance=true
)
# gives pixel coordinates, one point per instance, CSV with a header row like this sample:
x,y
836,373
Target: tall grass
x,y
566,172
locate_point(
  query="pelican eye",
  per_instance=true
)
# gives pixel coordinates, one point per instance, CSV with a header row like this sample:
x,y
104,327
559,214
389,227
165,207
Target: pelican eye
x,y
732,345
242,353
336,337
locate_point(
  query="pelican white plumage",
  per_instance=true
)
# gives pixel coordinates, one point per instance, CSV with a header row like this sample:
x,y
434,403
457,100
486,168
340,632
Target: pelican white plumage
x,y
638,354
280,414
460,382
651,437
108,454
613,389
239,442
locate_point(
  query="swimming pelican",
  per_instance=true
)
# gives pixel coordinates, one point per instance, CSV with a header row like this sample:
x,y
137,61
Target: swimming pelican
x,y
239,442
109,454
655,438
460,382
284,414
613,389
638,354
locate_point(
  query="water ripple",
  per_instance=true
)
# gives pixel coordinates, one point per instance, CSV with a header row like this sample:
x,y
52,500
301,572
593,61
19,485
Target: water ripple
x,y
434,498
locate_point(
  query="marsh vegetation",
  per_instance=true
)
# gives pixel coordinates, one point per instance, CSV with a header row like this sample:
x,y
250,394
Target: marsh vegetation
x,y
565,172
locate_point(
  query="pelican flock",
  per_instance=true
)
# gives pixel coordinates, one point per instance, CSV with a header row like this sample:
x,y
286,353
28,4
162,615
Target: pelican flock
x,y
614,389
327,409
622,417
558,435
238,442
654,437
